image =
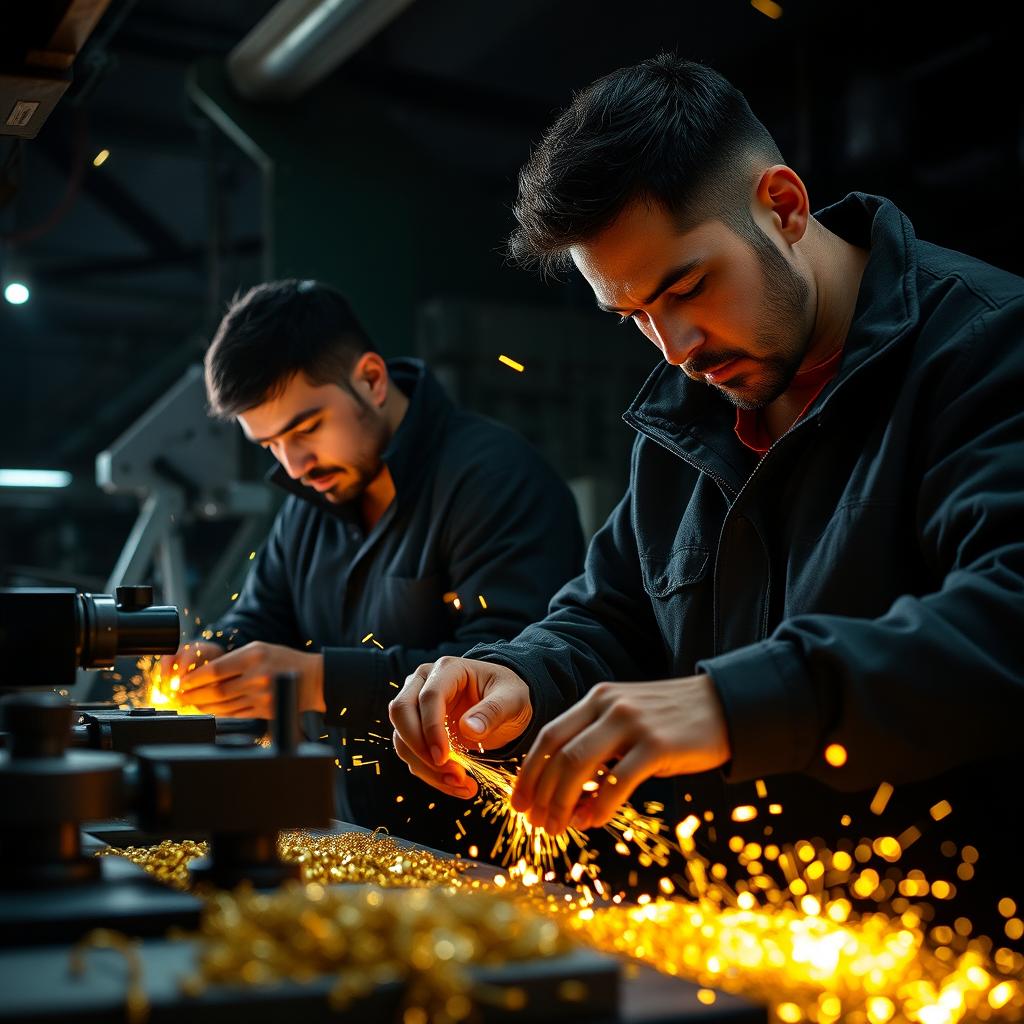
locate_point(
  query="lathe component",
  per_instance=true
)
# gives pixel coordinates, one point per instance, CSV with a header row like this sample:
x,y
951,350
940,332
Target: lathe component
x,y
46,792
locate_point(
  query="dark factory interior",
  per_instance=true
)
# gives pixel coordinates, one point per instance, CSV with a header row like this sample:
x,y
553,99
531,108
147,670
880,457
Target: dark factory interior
x,y
837,608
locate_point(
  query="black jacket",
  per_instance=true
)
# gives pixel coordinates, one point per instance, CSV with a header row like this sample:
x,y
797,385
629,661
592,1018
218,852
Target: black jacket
x,y
477,513
862,584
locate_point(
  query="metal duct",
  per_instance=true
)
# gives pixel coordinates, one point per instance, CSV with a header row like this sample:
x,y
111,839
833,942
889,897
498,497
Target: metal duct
x,y
299,42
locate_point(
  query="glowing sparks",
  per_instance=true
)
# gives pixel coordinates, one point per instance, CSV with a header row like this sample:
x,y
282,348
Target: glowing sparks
x,y
151,688
941,809
100,158
745,813
511,362
769,8
881,798
835,755
483,603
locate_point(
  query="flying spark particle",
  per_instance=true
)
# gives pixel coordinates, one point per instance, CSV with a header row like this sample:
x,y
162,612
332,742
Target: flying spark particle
x,y
511,362
369,636
941,809
835,755
769,8
252,555
881,798
483,603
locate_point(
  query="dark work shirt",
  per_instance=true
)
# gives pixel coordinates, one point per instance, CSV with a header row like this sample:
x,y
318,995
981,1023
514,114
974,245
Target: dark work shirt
x,y
478,514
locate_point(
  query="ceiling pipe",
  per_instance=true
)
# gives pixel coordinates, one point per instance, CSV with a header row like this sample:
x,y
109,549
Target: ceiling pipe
x,y
300,42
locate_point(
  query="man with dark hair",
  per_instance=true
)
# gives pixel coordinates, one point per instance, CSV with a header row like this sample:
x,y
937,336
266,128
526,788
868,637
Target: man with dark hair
x,y
412,530
820,547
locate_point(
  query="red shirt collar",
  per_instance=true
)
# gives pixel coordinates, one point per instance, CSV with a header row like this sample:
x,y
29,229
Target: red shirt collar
x,y
750,425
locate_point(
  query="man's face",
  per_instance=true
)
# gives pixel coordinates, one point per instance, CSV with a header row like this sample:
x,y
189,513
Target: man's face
x,y
727,312
322,435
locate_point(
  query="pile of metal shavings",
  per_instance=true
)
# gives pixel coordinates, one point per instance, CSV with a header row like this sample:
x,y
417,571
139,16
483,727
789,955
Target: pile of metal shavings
x,y
355,857
424,939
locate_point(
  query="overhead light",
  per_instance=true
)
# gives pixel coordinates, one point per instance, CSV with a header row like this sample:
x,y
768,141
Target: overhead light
x,y
300,42
16,293
34,478
100,158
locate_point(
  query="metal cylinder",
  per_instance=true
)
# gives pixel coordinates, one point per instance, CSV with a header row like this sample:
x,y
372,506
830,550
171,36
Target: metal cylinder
x,y
286,712
107,628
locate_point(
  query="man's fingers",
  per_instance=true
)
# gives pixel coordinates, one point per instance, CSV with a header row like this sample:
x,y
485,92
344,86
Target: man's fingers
x,y
563,775
404,713
445,681
614,789
226,666
505,701
236,707
550,739
221,690
450,779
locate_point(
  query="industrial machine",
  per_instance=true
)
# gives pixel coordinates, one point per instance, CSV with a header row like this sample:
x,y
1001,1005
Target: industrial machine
x,y
73,779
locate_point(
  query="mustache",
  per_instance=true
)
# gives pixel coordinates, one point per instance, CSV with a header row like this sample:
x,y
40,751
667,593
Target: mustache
x,y
704,361
318,474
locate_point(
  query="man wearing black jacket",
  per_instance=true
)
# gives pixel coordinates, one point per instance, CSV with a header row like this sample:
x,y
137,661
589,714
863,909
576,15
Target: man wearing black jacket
x,y
821,546
412,530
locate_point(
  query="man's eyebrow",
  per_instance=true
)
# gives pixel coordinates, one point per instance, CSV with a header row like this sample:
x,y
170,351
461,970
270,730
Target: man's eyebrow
x,y
290,425
672,277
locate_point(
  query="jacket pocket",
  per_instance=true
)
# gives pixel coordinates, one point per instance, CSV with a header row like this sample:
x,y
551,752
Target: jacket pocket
x,y
666,574
414,610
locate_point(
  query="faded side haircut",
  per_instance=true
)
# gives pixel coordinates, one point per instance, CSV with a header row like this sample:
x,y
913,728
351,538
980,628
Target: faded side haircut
x,y
275,331
666,131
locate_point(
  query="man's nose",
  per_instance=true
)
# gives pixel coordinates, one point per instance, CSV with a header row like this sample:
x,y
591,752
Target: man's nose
x,y
677,338
297,461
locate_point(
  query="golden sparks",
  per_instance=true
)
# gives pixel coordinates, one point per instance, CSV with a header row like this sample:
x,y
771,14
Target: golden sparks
x,y
835,755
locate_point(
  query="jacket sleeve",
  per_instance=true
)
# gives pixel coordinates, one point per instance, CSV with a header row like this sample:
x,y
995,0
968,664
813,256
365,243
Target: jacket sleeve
x,y
511,538
600,626
938,680
264,608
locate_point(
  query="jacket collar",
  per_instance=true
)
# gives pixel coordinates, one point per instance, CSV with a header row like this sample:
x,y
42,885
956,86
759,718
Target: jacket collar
x,y
693,420
415,442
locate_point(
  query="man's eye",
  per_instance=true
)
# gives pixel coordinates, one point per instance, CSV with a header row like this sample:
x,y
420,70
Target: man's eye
x,y
695,290
309,429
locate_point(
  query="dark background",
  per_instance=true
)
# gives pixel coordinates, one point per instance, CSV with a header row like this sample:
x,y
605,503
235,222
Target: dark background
x,y
394,180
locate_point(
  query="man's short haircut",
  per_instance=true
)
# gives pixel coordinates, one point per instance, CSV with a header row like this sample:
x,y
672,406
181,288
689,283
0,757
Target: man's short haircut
x,y
274,331
666,131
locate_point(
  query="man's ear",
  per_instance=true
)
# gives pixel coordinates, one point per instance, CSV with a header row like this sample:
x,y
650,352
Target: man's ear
x,y
782,196
370,378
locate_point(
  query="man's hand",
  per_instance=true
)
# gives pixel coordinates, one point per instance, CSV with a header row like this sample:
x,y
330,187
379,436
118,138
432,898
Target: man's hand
x,y
631,731
189,657
487,704
240,683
